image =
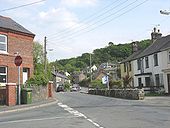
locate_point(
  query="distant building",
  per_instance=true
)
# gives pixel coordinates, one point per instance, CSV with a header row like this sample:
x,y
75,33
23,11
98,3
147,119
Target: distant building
x,y
105,68
60,78
78,77
93,68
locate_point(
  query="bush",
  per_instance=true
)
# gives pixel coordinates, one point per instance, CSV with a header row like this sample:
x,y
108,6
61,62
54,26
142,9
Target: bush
x,y
97,84
115,83
67,86
37,80
85,83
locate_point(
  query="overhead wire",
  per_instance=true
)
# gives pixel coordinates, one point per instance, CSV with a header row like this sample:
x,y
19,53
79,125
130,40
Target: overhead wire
x,y
20,6
98,21
113,18
90,18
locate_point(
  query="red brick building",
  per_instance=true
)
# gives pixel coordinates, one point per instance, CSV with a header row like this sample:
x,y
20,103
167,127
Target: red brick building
x,y
15,38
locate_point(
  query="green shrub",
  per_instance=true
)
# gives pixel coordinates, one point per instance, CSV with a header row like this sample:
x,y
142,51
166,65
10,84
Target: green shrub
x,y
37,80
67,86
97,84
84,83
115,83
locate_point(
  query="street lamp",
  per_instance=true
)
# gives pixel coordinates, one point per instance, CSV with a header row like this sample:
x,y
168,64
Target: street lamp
x,y
165,12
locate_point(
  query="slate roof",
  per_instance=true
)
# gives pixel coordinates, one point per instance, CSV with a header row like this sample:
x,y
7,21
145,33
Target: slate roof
x,y
8,23
60,75
132,56
158,46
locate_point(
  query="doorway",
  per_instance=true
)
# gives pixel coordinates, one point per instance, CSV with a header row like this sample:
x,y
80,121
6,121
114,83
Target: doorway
x,y
168,78
25,74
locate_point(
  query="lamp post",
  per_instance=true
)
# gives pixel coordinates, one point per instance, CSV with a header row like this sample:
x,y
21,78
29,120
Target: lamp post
x,y
165,12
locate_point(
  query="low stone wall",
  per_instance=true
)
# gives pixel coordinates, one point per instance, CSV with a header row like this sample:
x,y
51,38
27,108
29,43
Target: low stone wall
x,y
134,94
39,93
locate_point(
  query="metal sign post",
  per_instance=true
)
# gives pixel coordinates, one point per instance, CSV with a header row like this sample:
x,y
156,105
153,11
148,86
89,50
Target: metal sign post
x,y
18,62
19,87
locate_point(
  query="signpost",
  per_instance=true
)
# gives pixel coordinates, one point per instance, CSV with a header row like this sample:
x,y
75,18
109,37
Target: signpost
x,y
18,62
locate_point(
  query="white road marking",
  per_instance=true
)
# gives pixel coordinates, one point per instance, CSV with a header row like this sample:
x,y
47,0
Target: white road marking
x,y
39,119
78,114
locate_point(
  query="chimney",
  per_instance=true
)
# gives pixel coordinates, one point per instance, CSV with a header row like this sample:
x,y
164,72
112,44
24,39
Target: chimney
x,y
155,35
134,47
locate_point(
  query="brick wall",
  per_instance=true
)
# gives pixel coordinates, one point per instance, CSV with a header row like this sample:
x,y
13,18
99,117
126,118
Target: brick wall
x,y
11,94
22,44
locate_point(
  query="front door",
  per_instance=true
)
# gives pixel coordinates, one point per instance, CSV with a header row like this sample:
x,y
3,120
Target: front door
x,y
25,75
168,77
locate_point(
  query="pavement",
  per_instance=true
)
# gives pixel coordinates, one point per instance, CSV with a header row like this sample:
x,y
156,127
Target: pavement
x,y
8,109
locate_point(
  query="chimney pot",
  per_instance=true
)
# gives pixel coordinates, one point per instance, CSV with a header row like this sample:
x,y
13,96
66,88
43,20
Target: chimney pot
x,y
154,29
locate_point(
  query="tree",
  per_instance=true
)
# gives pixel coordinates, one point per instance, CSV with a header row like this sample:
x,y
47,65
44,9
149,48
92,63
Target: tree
x,y
37,54
111,43
39,77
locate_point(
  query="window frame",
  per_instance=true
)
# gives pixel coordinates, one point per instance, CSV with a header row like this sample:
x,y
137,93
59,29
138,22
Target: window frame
x,y
155,57
130,66
124,67
4,74
157,80
6,43
139,64
147,81
146,62
168,56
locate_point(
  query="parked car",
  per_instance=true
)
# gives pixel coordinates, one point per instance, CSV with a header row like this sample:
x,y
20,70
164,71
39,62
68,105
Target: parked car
x,y
75,87
60,88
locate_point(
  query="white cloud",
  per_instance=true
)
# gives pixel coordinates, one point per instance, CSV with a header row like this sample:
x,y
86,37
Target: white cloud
x,y
78,2
60,17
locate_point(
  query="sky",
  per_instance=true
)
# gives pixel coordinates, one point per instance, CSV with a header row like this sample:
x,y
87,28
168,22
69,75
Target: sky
x,y
74,27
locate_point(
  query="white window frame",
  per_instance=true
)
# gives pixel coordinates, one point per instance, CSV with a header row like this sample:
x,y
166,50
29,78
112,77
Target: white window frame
x,y
3,83
6,43
168,56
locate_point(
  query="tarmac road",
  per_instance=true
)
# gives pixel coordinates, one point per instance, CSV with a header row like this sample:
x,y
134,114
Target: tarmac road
x,y
77,110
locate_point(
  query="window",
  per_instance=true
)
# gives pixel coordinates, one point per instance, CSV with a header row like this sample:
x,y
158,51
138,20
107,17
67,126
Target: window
x,y
130,66
168,56
147,81
155,56
124,67
146,62
3,74
139,64
139,82
157,80
3,43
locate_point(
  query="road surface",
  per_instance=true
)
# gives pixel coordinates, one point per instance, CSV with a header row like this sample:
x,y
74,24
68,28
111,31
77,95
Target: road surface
x,y
78,110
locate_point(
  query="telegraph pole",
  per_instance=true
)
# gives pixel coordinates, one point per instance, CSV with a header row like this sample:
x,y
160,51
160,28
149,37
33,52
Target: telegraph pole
x,y
90,69
45,55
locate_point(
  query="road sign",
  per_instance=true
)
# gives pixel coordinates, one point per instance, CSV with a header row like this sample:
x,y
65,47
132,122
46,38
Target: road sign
x,y
18,60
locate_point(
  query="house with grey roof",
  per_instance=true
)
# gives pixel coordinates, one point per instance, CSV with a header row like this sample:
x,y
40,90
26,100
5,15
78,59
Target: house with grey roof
x,y
126,66
15,38
60,78
151,66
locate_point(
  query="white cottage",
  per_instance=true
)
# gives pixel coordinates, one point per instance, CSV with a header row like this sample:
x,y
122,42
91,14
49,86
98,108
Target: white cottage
x,y
152,65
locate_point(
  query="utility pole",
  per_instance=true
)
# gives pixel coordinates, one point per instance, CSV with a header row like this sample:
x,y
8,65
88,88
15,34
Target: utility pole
x,y
107,77
90,69
45,55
